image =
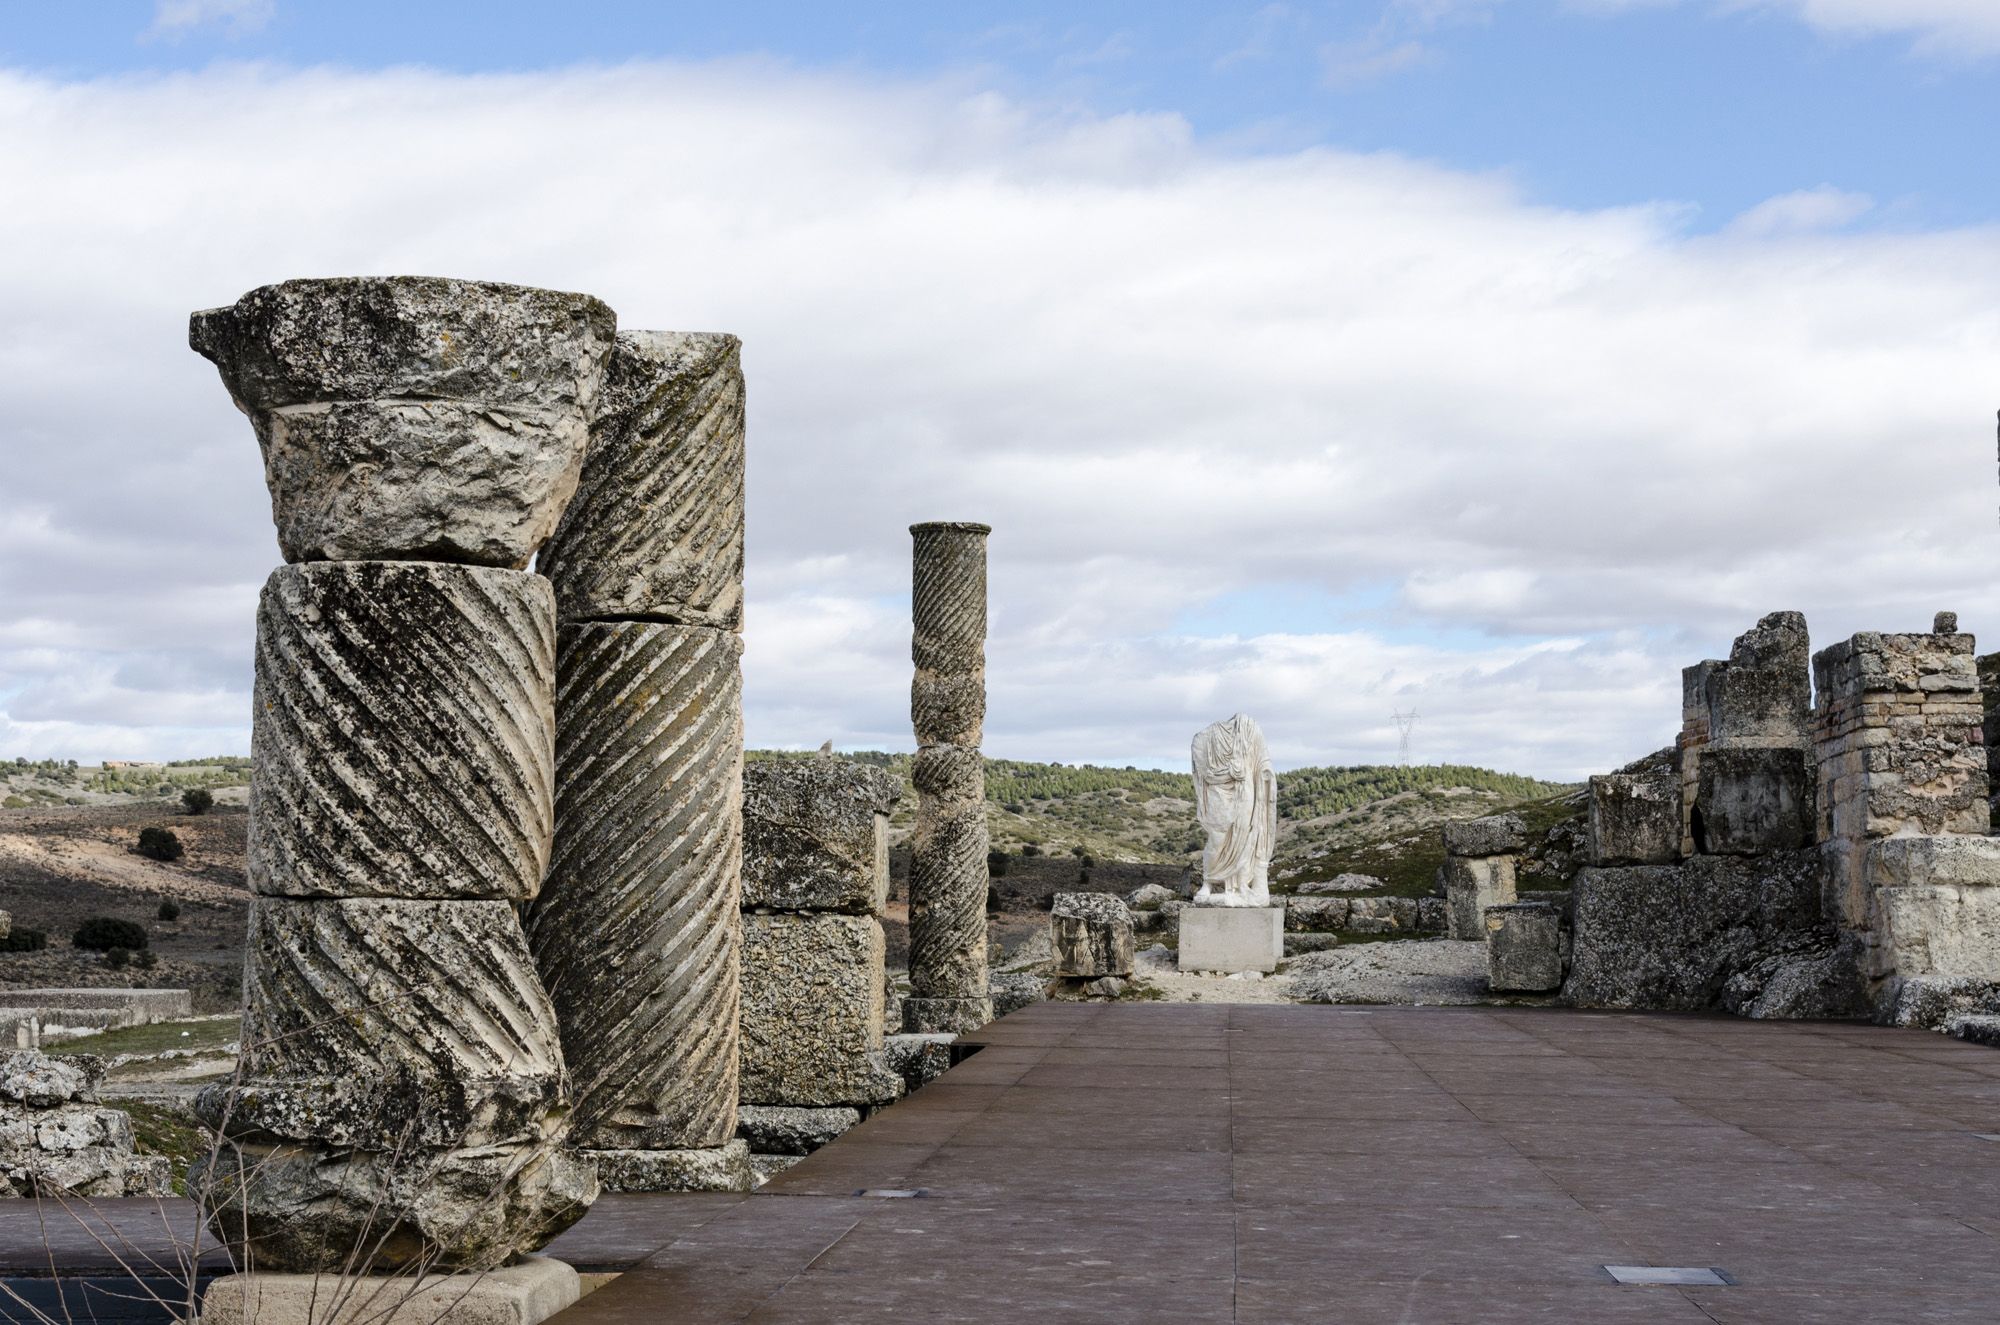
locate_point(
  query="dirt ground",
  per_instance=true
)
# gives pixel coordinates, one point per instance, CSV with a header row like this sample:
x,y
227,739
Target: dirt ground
x,y
61,866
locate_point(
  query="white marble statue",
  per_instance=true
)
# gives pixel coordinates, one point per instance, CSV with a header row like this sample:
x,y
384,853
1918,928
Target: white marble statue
x,y
1236,800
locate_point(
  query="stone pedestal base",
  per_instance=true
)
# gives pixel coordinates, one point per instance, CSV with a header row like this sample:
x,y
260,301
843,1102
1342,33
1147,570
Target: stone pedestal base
x,y
945,1015
724,1168
523,1294
1232,938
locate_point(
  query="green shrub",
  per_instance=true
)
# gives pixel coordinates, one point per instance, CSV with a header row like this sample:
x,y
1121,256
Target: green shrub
x,y
117,958
160,844
170,910
24,940
104,933
145,959
197,800
996,864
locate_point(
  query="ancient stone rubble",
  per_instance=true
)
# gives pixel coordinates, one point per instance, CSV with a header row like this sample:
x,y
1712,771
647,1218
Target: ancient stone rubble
x,y
1092,936
1478,872
815,880
1634,819
636,932
948,880
403,1085
57,1141
1523,948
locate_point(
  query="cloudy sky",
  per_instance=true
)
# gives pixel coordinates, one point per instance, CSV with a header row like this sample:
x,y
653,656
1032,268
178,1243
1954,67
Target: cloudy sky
x,y
1487,358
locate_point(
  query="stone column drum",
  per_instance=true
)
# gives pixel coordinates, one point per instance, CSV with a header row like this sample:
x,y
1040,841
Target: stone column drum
x,y
403,1089
637,932
948,980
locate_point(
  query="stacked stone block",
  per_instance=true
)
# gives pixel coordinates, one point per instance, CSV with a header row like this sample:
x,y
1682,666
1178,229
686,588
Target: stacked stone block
x,y
1479,871
1523,948
57,1140
1634,819
1747,783
402,1087
637,933
1091,936
1903,807
948,881
815,881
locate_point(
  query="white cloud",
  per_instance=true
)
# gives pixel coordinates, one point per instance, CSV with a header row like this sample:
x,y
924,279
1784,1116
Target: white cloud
x,y
1823,208
1580,448
1956,29
172,18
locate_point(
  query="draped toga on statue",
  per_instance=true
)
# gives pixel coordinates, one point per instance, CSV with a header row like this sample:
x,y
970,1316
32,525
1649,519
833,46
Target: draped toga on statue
x,y
1236,800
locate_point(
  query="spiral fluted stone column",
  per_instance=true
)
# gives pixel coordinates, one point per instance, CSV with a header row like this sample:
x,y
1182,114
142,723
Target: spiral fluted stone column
x,y
948,978
637,933
402,1096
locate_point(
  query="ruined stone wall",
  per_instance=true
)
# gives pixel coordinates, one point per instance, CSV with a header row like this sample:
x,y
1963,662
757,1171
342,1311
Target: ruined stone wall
x,y
1904,808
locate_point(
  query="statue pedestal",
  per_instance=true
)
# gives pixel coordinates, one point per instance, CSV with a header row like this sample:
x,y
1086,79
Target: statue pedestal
x,y
1232,938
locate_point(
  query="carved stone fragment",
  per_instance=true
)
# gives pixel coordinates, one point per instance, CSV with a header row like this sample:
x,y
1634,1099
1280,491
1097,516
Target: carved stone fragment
x,y
636,934
413,417
655,532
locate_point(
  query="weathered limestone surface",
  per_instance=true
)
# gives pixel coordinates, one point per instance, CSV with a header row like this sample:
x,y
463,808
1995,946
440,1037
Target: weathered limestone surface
x,y
57,1141
1670,937
1493,835
403,732
655,532
1013,990
387,1024
1751,800
812,1011
1471,884
413,417
948,879
304,1205
1091,934
722,1168
816,835
1523,948
919,1058
789,1130
1635,819
636,933
1230,939
1761,697
1903,808
521,1294
403,1082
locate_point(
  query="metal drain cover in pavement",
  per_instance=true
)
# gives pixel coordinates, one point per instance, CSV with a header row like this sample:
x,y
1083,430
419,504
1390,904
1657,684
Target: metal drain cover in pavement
x,y
892,1193
1684,1275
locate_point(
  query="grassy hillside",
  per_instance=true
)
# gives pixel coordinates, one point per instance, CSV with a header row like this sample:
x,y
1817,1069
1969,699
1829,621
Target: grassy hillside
x,y
1137,814
42,783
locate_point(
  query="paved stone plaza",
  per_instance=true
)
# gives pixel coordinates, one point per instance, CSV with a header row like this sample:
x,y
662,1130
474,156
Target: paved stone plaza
x,y
1162,1163
1266,1164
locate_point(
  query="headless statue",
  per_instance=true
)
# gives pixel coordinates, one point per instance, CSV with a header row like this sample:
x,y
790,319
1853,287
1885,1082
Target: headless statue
x,y
1236,800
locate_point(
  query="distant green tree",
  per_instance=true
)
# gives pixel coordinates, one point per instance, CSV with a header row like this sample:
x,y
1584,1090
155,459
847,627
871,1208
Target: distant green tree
x,y
197,800
105,933
160,844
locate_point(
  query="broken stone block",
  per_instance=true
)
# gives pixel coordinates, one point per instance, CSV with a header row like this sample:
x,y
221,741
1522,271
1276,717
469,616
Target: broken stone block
x,y
448,1209
816,835
1091,934
1494,835
1523,948
1013,990
1936,905
57,1141
1309,915
812,1011
1670,937
655,531
723,1168
1764,692
1149,897
1635,819
525,1293
1471,884
636,932
918,1058
396,761
1752,800
412,416
1301,943
381,1024
779,1129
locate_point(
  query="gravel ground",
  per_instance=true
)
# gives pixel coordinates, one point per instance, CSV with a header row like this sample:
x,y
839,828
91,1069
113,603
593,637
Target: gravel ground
x,y
1157,966
1429,971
